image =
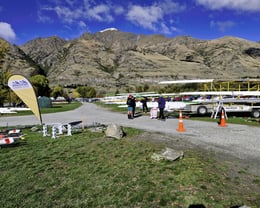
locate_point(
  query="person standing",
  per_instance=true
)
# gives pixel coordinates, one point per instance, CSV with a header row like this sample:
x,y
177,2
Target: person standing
x,y
144,102
129,107
133,106
161,106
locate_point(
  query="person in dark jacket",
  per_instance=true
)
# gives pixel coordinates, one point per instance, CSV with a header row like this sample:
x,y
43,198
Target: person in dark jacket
x,y
133,105
130,106
144,102
161,106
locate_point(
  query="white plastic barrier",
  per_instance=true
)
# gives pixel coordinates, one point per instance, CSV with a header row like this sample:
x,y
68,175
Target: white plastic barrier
x,y
69,130
53,132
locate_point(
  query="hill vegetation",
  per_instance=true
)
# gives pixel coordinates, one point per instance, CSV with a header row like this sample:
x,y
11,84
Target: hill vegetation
x,y
118,61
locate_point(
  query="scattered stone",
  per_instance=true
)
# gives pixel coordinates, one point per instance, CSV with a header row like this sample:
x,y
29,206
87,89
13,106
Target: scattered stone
x,y
114,131
34,129
96,129
168,154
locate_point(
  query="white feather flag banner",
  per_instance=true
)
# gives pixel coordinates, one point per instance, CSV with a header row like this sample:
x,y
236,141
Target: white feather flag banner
x,y
24,90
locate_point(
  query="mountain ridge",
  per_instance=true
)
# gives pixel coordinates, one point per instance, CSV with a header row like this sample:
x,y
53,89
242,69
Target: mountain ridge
x,y
113,59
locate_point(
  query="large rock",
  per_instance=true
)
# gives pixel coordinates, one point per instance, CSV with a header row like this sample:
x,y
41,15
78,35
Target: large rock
x,y
114,131
168,154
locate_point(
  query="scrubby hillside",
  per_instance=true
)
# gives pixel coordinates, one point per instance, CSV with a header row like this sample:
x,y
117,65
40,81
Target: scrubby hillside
x,y
114,59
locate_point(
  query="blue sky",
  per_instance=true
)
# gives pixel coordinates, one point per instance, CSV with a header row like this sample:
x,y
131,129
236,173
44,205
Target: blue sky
x,y
24,20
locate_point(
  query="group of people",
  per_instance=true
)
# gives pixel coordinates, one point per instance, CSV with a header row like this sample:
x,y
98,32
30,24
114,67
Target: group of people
x,y
131,104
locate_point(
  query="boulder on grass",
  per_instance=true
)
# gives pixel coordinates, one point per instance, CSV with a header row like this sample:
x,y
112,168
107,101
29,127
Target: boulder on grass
x,y
168,154
114,131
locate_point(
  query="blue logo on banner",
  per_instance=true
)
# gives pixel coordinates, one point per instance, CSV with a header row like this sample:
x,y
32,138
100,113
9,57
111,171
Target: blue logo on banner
x,y
20,84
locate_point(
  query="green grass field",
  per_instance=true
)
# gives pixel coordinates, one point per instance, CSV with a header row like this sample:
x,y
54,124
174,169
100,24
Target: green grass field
x,y
60,107
89,170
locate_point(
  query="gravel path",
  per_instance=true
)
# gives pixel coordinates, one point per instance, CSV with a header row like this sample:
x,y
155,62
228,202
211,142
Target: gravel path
x,y
239,141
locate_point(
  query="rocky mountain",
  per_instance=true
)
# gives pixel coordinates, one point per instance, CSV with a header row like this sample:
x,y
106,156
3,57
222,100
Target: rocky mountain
x,y
114,59
17,61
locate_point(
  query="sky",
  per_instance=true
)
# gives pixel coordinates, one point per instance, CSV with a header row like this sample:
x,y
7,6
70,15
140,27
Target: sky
x,y
24,20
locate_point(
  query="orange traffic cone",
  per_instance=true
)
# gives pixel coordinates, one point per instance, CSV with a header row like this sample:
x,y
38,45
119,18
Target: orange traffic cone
x,y
222,119
181,126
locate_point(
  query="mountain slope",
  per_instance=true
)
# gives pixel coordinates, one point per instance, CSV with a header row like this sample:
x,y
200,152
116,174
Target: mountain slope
x,y
15,60
114,59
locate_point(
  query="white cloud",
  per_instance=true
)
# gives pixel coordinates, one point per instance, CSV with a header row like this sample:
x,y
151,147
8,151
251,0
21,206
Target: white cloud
x,y
243,5
7,32
169,7
69,12
101,13
150,17
153,17
70,2
43,18
165,29
119,10
82,28
68,15
82,24
222,26
146,17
